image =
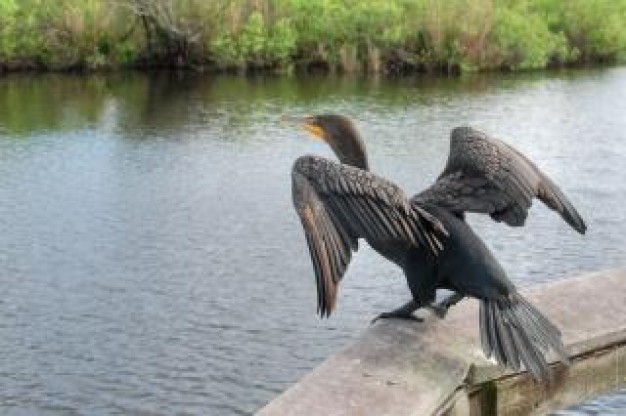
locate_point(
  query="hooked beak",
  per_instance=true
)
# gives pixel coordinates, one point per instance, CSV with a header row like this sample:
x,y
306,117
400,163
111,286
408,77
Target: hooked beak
x,y
308,123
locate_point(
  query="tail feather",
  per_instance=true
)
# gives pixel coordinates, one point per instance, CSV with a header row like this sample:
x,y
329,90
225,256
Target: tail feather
x,y
533,329
536,315
484,331
516,354
494,333
516,333
507,340
531,357
539,328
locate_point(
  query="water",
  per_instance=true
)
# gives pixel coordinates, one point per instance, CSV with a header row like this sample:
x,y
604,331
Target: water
x,y
151,262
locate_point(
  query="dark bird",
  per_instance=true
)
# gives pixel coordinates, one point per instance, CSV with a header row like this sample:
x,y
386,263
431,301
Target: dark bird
x,y
426,235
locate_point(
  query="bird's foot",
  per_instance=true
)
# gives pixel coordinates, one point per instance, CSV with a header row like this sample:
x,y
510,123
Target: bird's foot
x,y
397,315
439,310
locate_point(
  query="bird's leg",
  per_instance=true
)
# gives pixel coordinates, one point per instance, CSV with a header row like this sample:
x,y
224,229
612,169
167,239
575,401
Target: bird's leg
x,y
441,308
403,312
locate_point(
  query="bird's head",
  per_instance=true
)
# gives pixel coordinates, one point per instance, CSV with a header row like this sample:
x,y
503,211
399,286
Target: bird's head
x,y
339,133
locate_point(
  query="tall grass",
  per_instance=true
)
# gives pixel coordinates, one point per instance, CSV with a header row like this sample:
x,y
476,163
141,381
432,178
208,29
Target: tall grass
x,y
337,35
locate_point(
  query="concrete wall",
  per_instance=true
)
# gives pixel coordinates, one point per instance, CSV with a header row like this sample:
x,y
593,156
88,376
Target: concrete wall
x,y
437,366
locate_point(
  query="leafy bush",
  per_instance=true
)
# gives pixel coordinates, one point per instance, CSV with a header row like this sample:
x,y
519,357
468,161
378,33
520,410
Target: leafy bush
x,y
342,34
8,11
522,40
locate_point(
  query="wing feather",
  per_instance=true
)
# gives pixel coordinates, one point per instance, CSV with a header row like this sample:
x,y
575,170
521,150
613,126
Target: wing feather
x,y
338,204
486,175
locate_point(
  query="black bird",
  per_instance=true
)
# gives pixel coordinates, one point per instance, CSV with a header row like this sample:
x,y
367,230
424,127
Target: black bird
x,y
426,235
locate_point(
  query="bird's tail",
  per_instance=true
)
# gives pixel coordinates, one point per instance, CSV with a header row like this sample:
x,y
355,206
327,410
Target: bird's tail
x,y
515,332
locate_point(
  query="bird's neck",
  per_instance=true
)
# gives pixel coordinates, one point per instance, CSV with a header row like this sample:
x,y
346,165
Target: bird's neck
x,y
351,151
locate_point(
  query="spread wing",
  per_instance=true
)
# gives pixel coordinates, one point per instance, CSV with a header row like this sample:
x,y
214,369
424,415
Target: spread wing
x,y
338,204
486,175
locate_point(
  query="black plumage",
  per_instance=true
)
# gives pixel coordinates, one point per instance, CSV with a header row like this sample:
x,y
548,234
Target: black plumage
x,y
486,175
426,235
338,204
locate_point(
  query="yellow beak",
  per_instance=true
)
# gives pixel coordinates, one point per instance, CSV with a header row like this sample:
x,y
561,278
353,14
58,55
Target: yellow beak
x,y
309,125
315,130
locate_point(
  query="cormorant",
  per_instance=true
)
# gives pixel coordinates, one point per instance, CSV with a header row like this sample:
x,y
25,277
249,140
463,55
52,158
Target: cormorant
x,y
426,235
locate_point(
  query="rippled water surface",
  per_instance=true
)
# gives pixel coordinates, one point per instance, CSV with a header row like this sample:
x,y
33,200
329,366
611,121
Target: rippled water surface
x,y
150,259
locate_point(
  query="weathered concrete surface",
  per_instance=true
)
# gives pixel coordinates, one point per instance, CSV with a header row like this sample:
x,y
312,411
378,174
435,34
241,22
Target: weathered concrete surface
x,y
437,366
517,394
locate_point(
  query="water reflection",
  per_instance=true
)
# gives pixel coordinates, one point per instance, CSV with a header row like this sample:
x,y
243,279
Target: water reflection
x,y
170,101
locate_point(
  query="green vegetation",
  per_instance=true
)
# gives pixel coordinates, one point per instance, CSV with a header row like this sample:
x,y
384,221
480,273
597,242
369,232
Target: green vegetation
x,y
338,35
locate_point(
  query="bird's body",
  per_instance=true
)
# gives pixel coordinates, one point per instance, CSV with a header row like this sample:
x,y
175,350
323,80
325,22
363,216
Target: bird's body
x,y
465,265
427,236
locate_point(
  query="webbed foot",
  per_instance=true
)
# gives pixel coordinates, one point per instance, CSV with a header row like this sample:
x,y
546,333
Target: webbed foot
x,y
387,315
403,312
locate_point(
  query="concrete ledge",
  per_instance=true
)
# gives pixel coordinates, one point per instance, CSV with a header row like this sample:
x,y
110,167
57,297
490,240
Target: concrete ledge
x,y
435,367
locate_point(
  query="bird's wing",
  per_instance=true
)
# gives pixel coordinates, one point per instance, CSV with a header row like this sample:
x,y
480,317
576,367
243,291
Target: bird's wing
x,y
486,175
338,204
